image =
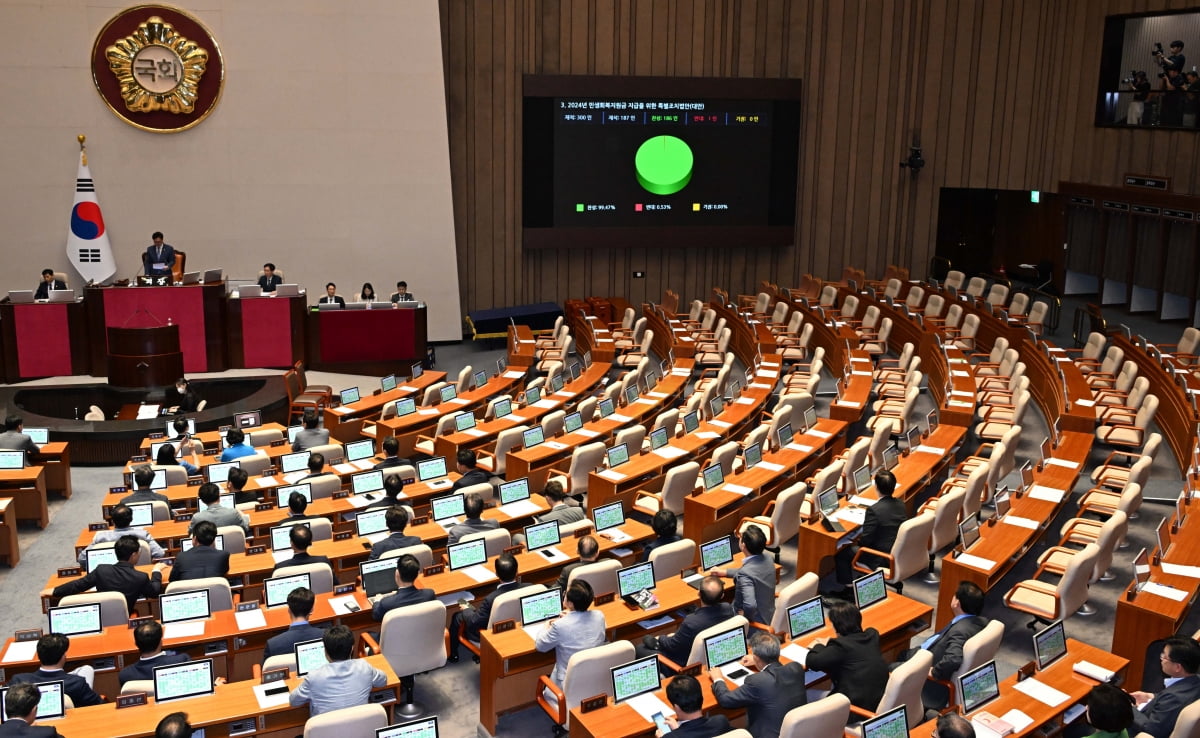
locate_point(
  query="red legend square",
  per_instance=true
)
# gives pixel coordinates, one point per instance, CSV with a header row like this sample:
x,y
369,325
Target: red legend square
x,y
638,207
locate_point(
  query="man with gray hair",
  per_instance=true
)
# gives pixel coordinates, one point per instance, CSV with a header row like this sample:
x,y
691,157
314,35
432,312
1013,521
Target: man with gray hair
x,y
769,693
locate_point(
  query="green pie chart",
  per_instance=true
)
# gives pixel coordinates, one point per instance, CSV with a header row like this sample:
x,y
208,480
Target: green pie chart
x,y
664,165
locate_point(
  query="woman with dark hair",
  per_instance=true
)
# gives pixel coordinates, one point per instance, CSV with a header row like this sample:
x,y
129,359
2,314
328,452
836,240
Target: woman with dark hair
x,y
166,457
1110,711
188,400
664,524
367,293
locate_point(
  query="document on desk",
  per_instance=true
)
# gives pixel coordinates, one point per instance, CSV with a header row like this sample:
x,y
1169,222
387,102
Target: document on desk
x,y
1041,692
519,508
344,605
745,401
738,489
1181,570
616,535
854,515
681,372
669,452
719,423
20,651
427,411
658,395
930,450
1063,463
406,388
1046,494
345,468
1085,403
1163,590
647,705
190,629
296,476
1019,521
475,432
556,445
272,694
341,409
618,418
267,482
976,561
547,404
707,435
645,401
799,447
450,599
766,373
513,374
769,466
795,652
862,501
587,432
760,385
251,619
959,373
611,475
818,433
847,403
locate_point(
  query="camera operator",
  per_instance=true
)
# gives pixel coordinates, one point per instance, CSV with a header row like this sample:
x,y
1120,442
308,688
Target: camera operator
x,y
1191,99
1175,60
1141,92
1173,85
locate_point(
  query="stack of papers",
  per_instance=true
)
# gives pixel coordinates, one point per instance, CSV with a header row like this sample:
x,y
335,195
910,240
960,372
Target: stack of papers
x,y
1020,522
250,619
23,651
669,452
1163,590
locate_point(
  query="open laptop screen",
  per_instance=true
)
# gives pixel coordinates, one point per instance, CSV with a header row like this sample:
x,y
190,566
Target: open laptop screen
x,y
349,395
572,422
869,590
298,461
368,481
636,677
617,455
691,421
805,617
12,459
219,472
189,679
1050,644
725,648
378,576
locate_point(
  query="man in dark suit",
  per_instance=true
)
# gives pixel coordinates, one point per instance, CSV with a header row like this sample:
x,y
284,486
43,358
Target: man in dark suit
x,y
686,697
148,638
880,524
947,644
852,659
297,504
393,485
396,519
474,523
48,283
664,525
407,570
175,725
391,454
331,296
1158,713
159,257
471,474
52,653
316,467
301,538
269,279
767,694
473,619
203,559
677,646
300,603
402,294
143,477
119,577
754,580
21,704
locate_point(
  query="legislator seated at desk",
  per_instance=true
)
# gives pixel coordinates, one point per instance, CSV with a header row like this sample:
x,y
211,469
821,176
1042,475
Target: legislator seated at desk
x,y
1157,713
402,294
687,699
408,569
52,654
122,522
159,257
119,577
269,280
14,437
22,703
343,682
48,283
148,638
203,559
332,297
754,580
853,659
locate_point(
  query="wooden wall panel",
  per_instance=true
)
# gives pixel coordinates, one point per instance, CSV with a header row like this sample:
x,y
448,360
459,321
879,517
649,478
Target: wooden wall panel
x,y
1000,90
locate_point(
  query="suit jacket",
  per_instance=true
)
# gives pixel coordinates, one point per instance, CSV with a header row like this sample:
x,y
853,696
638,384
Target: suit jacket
x,y
564,514
1160,714
301,559
282,643
947,650
407,297
336,298
269,284
75,687
18,727
144,668
402,597
43,289
881,522
392,461
473,476
754,589
144,495
649,547
14,441
469,526
307,438
391,543
678,645
220,515
855,665
767,697
149,259
119,577
200,562
483,613
704,727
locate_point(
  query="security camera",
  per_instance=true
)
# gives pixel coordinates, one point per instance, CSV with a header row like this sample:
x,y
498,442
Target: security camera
x,y
915,161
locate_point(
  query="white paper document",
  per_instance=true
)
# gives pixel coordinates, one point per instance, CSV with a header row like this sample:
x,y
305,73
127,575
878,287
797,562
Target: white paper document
x,y
817,433
647,705
1163,590
769,466
795,652
345,604
479,573
976,561
23,651
618,418
854,515
250,619
1041,692
513,374
341,409
1020,522
1046,494
190,629
738,489
930,450
277,698
669,452
719,423
1063,463
1181,570
611,475
587,432
519,508
799,447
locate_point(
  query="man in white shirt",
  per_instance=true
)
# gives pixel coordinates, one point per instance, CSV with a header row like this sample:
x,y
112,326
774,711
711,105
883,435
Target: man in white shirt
x,y
343,682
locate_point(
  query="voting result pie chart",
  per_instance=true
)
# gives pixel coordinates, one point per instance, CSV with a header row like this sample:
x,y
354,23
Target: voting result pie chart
x,y
664,165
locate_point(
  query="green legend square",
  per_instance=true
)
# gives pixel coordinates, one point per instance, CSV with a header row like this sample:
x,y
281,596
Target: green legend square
x,y
579,207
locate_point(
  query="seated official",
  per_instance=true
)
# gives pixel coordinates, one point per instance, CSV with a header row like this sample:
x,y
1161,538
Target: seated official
x,y
237,446
203,560
331,296
402,294
767,694
396,519
393,486
312,434
677,646
367,293
187,401
687,699
166,457
14,438
1158,713
297,504
52,654
159,257
301,539
852,659
148,639
175,725
316,466
473,508
143,477
407,571
946,645
120,577
559,509
588,549
1109,711
216,513
269,279
48,283
391,454
475,620
235,484
664,524
578,628
21,705
300,602
343,682
953,725
121,518
471,474
880,525
754,580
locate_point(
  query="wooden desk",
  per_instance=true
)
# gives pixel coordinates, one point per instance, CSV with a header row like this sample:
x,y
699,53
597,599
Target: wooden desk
x,y
345,422
198,310
522,346
265,331
27,488
1175,417
44,340
9,550
365,341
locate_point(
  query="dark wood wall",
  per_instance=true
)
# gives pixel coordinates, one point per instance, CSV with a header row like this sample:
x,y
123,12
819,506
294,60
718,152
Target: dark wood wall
x,y
1001,91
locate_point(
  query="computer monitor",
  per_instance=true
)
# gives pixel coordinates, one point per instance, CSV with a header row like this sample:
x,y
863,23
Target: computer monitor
x,y
178,607
349,395
931,420
725,648
659,437
309,655
479,379
617,455
50,706
635,678
714,476
416,370
464,421
533,395
715,405
285,493
378,576
533,437
159,481
170,428
1162,535
143,514
735,389
651,381
573,422
434,468
423,728
977,687
75,619
1141,570
157,446
1026,475
281,535
827,501
912,437
94,557
514,491
716,552
368,481
405,406
502,408
450,506
890,724
219,472
467,553
1045,450
862,478
1050,644
784,435
1003,501
370,522
40,436
606,407
189,679
537,608
542,535
968,531
277,589
388,383
186,544
810,418
12,459
691,422
359,450
251,419
557,382
576,370
869,590
631,394
752,455
294,462
213,275
891,457
633,579
608,516
805,617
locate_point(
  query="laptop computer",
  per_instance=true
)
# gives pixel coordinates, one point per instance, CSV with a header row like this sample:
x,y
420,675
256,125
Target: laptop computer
x,y
978,687
502,408
62,295
40,436
609,517
606,407
783,436
805,617
50,706
543,537
178,607
20,297
360,453
309,655
869,590
631,394
862,478
215,275
968,531
634,679
751,456
287,289
572,422
219,472
405,406
448,393
250,290
691,422
540,607
178,681
464,421
104,554
514,491
891,457
724,651
388,383
633,579
143,514
15,460
659,437
448,510
372,524
423,728
1050,644
364,483
75,620
277,589
533,437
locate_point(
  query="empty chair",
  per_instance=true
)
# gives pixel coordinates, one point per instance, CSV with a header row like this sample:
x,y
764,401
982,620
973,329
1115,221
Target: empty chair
x,y
433,394
1103,502
672,558
426,444
326,485
588,674
825,717
494,462
1093,349
551,360
955,279
892,288
945,527
584,459
357,720
975,287
334,453
997,295
795,348
877,345
1082,531
1036,319
255,464
1113,474
464,379
175,475
1185,351
631,356
554,424
679,482
916,297
781,518
849,309
713,353
1050,602
964,337
828,298
909,554
94,413
220,594
1105,375
869,323
1019,305
999,419
413,639
602,575
113,608
898,414
1118,431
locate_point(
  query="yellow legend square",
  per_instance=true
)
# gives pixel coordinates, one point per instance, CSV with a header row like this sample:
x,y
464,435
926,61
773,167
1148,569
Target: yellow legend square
x,y
695,206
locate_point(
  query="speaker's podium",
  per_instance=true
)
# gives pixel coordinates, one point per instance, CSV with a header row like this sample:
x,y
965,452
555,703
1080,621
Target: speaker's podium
x,y
144,357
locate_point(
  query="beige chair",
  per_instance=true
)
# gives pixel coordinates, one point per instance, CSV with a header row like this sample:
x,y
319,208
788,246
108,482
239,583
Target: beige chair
x,y
895,370
955,279
736,733
781,518
804,587
320,576
999,419
671,559
1082,531
916,298
496,462
825,717
975,488
945,527
794,348
631,356
588,674
553,360
964,338
975,287
909,554
877,344
427,444
413,639
602,575
1120,432
1019,305
904,687
264,437
1187,725
220,594
679,482
136,686
1089,356
554,424
1187,348
233,538
828,298
869,323
977,651
696,654
897,414
1049,602
357,720
1106,374
997,295
113,608
1114,475
584,459
334,453
433,395
1105,502
255,464
505,607
1111,405
324,486
495,540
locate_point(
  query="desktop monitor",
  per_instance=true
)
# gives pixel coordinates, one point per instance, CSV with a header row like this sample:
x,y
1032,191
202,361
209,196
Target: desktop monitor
x,y
157,446
405,406
1003,501
359,450
891,457
464,421
714,476
691,422
735,388
388,383
349,395
869,589
143,514
189,679
651,381
434,468
219,472
631,394
294,462
75,619
368,481
827,501
912,437
805,617
1050,644
178,607
617,455
862,478
370,522
450,506
251,419
185,544
1026,475
572,422
467,553
716,552
1045,450
890,724
968,531
285,493
752,455
533,437
608,516
557,382
309,655
502,408
423,728
159,481
576,370
635,678
378,576
479,379
514,491
659,438
1141,570
12,460
606,407
784,435
810,417
93,557
725,648
633,579
277,589
170,428
977,687
50,706
542,535
715,405
1162,535
931,420
533,396
416,370
41,436
281,535
537,608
